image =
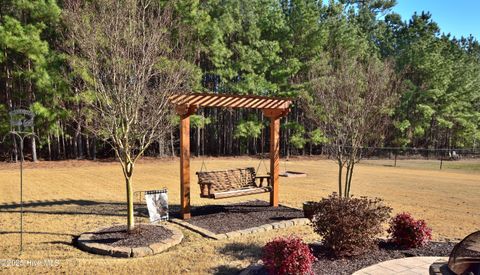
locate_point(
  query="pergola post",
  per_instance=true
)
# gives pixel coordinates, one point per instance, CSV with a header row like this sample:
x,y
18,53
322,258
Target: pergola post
x,y
274,115
184,112
185,166
274,159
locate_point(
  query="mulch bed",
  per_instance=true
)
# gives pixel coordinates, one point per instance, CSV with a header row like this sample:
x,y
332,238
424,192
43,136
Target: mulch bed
x,y
385,252
142,235
221,219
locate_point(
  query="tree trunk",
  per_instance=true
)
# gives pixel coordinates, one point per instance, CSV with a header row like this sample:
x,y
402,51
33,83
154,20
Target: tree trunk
x,y
49,147
287,136
198,141
347,175
64,145
262,141
161,146
350,179
73,143
340,171
78,142
59,148
203,141
128,180
94,149
172,144
34,148
87,146
15,149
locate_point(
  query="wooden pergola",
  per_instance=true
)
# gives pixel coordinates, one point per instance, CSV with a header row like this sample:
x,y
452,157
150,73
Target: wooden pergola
x,y
188,104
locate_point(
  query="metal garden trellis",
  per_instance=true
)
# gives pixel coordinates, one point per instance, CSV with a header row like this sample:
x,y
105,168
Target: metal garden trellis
x,y
20,121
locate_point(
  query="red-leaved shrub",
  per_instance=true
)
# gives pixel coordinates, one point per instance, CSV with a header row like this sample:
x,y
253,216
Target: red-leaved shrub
x,y
349,226
287,255
407,232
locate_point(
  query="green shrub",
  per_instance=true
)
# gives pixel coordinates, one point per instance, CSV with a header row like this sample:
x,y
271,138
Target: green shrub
x,y
348,226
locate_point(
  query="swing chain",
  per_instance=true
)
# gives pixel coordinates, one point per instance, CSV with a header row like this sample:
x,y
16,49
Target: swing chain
x,y
204,166
262,160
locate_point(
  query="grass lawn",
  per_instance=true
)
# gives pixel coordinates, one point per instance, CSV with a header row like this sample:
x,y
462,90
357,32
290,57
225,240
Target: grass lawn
x,y
67,198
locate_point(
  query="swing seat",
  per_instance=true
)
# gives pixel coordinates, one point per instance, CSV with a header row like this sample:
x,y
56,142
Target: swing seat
x,y
232,183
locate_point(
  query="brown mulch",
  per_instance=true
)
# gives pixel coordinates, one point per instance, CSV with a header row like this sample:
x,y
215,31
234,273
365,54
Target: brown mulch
x,y
385,251
221,219
142,235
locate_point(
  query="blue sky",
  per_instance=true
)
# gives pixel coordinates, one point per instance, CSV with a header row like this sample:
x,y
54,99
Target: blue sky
x,y
458,17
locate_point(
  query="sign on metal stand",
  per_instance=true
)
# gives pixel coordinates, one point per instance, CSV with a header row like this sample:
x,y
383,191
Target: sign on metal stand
x,y
156,202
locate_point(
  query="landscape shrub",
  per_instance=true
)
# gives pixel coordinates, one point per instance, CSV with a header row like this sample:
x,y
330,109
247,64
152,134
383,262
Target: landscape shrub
x,y
348,226
406,232
287,255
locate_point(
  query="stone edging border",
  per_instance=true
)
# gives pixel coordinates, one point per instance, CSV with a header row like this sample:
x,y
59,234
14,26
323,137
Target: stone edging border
x,y
85,243
237,233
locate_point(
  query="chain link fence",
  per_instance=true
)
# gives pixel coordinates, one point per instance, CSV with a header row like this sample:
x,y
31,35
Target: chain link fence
x,y
395,155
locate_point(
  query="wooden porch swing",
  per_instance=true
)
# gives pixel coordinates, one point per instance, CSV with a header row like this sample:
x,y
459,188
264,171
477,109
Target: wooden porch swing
x,y
232,183
235,182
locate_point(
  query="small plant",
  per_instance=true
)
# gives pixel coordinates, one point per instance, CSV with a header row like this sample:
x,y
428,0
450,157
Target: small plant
x,y
407,232
348,226
287,255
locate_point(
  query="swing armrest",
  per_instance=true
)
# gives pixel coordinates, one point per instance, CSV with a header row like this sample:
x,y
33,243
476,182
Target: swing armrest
x,y
205,188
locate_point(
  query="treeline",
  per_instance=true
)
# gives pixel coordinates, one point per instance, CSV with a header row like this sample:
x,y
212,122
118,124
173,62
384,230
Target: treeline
x,y
265,47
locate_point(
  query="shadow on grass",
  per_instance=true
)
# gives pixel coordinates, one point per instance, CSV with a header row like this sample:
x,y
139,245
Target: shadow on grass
x,y
78,207
226,270
61,243
36,233
242,251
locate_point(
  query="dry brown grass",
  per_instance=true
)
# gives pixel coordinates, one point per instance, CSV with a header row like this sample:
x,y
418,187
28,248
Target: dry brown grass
x,y
68,198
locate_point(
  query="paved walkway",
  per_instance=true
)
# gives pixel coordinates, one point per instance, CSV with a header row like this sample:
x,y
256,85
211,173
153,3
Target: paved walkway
x,y
404,266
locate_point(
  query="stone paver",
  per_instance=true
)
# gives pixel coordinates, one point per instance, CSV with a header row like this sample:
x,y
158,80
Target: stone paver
x,y
404,266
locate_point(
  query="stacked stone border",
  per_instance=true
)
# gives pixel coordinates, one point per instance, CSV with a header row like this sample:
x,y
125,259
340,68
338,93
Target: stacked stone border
x,y
242,232
86,243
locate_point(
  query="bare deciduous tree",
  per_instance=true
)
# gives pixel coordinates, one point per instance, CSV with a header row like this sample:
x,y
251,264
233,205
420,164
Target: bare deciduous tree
x,y
130,61
350,102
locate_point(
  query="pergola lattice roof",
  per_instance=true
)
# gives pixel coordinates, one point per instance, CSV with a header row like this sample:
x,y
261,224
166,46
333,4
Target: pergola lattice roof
x,y
230,101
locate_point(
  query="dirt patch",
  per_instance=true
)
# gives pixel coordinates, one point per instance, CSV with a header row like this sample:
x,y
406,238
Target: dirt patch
x,y
221,219
385,252
142,235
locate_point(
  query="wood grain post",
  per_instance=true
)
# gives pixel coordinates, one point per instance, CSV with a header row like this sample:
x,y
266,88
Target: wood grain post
x,y
275,115
184,111
274,158
185,166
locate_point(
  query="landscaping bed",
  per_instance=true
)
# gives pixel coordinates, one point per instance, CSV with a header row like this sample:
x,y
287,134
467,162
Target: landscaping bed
x,y
221,219
386,251
142,235
144,240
